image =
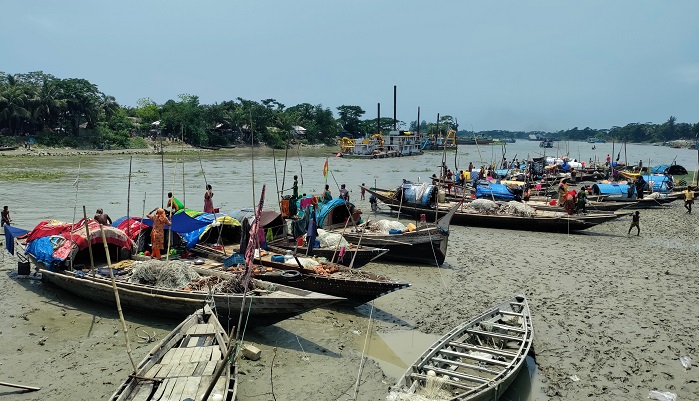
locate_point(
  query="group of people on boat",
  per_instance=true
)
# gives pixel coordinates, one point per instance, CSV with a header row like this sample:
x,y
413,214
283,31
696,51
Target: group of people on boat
x,y
572,201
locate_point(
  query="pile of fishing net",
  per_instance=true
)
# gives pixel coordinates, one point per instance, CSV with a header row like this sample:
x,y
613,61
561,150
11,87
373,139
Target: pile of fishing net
x,y
483,205
175,274
516,209
385,226
307,263
331,240
432,391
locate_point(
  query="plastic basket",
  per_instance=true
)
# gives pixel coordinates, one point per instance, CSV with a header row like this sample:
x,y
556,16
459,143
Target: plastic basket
x,y
234,260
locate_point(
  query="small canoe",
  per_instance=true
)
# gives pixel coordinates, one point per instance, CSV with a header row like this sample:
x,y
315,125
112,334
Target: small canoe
x,y
356,256
476,361
182,365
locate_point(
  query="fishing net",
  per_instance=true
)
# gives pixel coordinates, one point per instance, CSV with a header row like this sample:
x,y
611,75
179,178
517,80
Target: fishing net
x,y
331,240
171,274
483,205
431,391
307,263
385,226
516,209
175,274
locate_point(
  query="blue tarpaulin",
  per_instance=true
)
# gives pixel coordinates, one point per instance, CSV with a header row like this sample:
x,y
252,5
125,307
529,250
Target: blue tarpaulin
x,y
497,191
611,189
326,208
42,249
417,193
10,234
181,223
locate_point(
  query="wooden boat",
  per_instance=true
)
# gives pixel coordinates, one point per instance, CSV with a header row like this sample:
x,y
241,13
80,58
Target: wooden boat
x,y
182,365
270,304
477,360
589,206
427,244
540,220
332,279
7,148
357,256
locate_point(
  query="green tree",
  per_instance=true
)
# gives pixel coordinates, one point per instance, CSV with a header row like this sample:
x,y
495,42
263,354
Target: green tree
x,y
14,104
349,117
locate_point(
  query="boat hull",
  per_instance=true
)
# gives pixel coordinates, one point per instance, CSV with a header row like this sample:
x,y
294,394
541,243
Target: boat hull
x,y
477,360
355,257
264,310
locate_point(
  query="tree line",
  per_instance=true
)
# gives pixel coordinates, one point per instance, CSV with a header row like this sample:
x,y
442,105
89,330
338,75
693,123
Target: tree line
x,y
57,111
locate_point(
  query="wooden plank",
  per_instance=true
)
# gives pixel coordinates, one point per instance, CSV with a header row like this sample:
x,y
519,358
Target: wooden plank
x,y
209,369
474,357
180,383
505,312
153,371
216,354
496,335
510,328
466,365
186,355
191,341
487,350
199,369
170,355
164,370
220,386
458,375
164,390
191,388
448,382
144,391
189,369
203,385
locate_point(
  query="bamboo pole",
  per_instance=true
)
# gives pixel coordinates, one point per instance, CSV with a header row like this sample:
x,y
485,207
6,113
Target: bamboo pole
x,y
28,388
343,236
118,301
128,201
172,206
87,230
162,177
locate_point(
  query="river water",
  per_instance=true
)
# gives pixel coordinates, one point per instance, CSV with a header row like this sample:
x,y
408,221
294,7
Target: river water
x,y
37,188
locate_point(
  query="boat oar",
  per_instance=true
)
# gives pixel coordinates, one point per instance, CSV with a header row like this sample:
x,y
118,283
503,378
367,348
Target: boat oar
x,y
23,387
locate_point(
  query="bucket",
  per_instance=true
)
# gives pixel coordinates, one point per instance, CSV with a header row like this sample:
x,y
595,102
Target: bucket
x,y
23,268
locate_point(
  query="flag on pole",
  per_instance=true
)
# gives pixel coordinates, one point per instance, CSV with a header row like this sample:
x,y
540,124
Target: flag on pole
x,y
325,169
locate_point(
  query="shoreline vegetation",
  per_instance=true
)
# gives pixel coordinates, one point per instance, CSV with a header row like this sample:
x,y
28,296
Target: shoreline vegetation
x,y
73,112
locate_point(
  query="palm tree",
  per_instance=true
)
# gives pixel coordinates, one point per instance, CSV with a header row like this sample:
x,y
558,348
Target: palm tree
x,y
108,106
14,103
47,104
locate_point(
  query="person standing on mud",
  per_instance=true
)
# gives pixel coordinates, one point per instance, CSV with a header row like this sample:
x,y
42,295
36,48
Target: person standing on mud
x,y
688,200
635,222
5,216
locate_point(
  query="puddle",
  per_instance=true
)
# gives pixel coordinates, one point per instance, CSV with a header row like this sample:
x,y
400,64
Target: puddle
x,y
395,351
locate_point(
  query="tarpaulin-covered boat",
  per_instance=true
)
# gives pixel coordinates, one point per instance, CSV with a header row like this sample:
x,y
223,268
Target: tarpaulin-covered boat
x,y
53,242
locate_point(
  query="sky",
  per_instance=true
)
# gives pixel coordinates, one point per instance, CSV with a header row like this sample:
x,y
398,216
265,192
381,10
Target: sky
x,y
512,65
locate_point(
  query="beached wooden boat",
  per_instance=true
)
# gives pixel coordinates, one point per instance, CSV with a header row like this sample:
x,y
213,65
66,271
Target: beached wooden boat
x,y
7,148
330,278
182,365
426,245
540,220
356,257
267,304
476,361
589,206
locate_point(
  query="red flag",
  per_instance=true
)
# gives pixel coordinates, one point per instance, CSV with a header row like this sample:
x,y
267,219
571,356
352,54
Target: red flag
x,y
325,168
253,242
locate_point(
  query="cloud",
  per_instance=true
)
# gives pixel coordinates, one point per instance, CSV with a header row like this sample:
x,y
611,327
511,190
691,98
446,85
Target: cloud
x,y
688,74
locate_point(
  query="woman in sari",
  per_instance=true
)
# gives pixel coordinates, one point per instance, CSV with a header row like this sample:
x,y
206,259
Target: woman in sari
x,y
160,220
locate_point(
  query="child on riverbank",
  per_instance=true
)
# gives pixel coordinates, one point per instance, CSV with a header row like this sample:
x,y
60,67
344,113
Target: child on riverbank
x,y
635,221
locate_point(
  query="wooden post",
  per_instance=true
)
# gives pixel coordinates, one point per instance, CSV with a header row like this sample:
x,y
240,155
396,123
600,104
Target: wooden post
x,y
89,246
118,302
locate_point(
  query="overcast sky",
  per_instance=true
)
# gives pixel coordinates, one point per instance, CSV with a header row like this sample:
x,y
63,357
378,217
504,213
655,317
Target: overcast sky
x,y
510,64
